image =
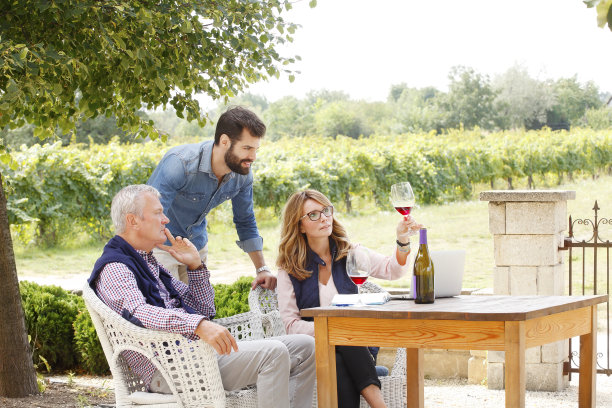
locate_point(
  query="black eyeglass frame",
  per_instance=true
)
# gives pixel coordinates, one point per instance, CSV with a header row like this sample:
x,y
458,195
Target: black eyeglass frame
x,y
317,213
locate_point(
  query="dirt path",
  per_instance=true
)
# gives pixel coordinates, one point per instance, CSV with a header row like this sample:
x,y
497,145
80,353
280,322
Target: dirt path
x,y
226,274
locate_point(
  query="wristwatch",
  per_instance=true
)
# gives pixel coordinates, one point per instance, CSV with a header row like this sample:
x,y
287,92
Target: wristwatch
x,y
262,269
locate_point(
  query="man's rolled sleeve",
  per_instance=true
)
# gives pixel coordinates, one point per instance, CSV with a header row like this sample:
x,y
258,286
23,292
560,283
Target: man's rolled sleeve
x,y
250,245
244,219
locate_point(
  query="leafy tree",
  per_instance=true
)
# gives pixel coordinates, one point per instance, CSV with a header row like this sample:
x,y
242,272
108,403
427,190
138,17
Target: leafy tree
x,y
322,96
572,100
339,118
396,91
64,61
418,110
598,119
289,117
524,100
470,100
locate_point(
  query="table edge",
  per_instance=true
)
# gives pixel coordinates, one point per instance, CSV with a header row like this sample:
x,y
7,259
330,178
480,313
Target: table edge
x,y
333,311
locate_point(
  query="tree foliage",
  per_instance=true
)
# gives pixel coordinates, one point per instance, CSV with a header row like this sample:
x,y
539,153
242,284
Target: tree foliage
x,y
470,101
604,11
524,101
64,61
67,60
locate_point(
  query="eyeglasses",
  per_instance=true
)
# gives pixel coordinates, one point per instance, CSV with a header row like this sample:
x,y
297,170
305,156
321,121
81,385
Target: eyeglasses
x,y
316,214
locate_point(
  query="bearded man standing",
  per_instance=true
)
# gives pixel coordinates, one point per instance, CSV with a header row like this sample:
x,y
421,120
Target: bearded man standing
x,y
195,178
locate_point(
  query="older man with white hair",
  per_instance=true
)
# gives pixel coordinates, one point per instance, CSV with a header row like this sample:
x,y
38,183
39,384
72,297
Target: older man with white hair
x,y
128,278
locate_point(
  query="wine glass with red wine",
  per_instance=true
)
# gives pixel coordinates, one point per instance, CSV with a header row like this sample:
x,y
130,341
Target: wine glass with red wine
x,y
402,197
358,268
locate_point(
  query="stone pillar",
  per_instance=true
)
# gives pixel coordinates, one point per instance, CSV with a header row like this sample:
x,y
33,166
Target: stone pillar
x,y
527,228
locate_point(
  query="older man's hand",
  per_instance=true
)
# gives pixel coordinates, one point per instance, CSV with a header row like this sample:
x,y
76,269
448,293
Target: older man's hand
x,y
217,336
182,250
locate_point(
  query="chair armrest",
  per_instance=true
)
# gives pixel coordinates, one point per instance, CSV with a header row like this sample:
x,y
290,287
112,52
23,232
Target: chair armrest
x,y
273,324
243,326
189,367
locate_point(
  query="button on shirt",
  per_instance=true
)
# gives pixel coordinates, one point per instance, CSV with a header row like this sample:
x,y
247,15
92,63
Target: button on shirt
x,y
190,190
117,288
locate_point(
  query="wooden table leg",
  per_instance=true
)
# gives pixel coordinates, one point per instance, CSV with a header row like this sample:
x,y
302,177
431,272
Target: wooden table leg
x,y
415,379
327,394
515,364
588,365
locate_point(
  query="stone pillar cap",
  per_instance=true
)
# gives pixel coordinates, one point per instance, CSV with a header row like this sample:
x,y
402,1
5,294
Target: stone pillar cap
x,y
527,195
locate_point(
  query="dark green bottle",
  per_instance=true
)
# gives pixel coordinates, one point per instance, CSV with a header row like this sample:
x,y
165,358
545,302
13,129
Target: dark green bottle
x,y
423,272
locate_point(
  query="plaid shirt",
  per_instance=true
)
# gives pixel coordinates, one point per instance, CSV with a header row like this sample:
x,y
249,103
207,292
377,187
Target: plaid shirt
x,y
117,287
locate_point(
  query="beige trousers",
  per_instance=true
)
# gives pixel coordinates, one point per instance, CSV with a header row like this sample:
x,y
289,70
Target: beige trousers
x,y
282,368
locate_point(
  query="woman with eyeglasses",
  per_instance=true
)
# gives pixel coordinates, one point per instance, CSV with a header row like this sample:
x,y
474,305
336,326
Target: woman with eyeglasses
x,y
312,269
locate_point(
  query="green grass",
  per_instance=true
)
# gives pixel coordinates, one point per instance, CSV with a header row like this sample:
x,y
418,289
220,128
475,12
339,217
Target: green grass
x,y
458,225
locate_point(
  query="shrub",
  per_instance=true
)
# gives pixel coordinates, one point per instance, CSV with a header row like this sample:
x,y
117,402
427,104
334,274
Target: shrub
x,y
49,314
62,333
87,345
232,299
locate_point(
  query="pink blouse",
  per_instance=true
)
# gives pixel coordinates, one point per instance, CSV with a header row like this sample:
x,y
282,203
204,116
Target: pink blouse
x,y
383,267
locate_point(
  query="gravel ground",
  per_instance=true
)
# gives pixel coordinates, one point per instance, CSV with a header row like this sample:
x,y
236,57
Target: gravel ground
x,y
457,393
447,393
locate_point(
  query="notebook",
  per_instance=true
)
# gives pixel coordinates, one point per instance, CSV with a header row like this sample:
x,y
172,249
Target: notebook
x,y
379,298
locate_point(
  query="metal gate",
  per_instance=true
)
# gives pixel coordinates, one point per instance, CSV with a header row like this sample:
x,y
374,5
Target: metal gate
x,y
591,278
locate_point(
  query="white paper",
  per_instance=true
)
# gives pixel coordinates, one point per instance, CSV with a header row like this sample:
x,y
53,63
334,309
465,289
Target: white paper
x,y
367,298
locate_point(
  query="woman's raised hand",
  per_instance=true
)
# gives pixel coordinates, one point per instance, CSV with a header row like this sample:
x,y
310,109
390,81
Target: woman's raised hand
x,y
406,228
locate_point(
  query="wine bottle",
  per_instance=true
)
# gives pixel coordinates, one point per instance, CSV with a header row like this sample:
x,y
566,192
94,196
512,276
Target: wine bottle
x,y
423,272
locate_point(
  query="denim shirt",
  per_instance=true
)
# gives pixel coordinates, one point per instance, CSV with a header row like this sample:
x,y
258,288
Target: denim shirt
x,y
190,190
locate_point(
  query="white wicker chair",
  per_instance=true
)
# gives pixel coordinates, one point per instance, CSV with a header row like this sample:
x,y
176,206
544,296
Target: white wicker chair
x,y
393,387
189,367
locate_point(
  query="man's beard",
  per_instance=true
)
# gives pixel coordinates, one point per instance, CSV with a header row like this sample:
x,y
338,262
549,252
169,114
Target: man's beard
x,y
235,164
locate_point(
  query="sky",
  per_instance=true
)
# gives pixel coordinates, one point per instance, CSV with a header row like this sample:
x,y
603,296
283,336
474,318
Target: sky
x,y
362,47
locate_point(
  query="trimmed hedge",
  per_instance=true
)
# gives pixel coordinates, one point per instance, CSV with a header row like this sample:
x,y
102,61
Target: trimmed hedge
x,y
49,314
61,330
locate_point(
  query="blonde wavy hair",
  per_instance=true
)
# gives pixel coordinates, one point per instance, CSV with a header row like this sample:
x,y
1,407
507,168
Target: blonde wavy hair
x,y
293,247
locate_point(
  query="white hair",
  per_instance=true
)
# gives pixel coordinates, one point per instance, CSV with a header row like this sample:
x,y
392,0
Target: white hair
x,y
129,201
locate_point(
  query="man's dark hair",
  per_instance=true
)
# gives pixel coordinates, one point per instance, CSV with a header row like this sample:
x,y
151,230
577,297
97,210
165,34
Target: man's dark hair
x,y
234,120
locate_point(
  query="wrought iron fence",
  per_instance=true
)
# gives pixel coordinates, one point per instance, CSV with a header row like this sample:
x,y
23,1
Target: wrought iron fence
x,y
588,252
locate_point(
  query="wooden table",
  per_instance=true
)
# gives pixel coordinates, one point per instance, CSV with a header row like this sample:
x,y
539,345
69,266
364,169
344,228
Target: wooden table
x,y
507,323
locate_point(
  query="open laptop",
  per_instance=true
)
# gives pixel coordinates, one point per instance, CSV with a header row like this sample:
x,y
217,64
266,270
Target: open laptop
x,y
448,273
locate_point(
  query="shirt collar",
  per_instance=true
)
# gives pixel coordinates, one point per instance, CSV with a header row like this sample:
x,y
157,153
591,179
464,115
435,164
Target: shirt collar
x,y
147,256
206,161
314,257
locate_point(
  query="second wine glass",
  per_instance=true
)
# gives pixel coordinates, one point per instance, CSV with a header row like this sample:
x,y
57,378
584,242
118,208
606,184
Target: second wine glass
x,y
358,269
402,197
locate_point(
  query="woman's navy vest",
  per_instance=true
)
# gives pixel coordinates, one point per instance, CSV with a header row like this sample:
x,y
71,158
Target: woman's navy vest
x,y
307,290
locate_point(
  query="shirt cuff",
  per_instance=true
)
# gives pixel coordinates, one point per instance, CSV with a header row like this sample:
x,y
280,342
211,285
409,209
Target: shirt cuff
x,y
193,321
251,245
197,274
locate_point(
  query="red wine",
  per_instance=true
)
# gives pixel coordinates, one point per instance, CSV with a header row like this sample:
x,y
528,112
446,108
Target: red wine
x,y
358,280
403,210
